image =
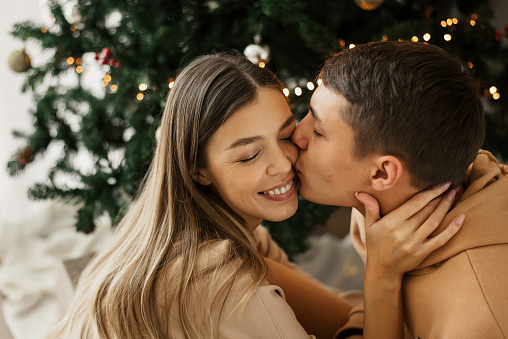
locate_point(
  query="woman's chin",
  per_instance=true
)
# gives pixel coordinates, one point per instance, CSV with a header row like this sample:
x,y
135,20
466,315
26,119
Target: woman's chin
x,y
282,216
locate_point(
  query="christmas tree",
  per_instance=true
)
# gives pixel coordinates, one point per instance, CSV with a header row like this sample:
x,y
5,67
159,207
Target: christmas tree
x,y
139,45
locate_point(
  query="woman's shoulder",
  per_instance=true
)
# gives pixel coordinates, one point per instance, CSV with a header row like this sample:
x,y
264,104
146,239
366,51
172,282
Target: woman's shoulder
x,y
265,315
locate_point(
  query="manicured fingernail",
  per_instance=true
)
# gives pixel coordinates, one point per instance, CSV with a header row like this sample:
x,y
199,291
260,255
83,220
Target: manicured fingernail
x,y
445,186
451,194
460,220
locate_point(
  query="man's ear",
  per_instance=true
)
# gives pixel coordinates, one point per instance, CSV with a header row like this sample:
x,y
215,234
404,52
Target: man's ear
x,y
387,172
202,176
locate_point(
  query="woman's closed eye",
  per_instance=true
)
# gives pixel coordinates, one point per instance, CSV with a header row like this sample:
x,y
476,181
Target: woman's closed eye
x,y
247,160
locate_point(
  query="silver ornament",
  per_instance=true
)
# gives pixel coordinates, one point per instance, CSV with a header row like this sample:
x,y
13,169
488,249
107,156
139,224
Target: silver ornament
x,y
256,53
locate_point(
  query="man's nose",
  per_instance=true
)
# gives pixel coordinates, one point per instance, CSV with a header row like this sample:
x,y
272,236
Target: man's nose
x,y
299,136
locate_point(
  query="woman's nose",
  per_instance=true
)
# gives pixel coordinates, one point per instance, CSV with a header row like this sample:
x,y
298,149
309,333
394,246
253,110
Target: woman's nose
x,y
280,162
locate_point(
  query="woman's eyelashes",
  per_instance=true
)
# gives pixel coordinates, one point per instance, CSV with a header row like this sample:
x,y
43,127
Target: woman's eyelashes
x,y
247,160
252,158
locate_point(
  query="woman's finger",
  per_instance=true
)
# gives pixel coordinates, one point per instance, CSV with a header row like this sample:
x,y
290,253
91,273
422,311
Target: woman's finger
x,y
420,217
419,201
435,219
443,237
371,208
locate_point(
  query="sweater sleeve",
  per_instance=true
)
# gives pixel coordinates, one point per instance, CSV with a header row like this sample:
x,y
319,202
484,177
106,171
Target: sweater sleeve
x,y
354,323
319,310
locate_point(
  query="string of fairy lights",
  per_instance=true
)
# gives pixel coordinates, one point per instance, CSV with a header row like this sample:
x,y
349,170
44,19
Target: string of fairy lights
x,y
296,89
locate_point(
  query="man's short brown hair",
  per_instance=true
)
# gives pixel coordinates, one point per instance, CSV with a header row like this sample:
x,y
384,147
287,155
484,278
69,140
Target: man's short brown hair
x,y
411,100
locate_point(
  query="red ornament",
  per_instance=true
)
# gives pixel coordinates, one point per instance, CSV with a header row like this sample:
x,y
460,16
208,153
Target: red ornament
x,y
498,36
97,56
104,62
117,64
106,52
111,61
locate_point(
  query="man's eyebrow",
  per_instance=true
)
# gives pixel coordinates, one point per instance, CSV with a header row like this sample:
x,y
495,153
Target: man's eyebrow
x,y
250,140
314,115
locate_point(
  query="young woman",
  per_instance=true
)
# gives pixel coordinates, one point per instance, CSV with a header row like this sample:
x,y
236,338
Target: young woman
x,y
185,262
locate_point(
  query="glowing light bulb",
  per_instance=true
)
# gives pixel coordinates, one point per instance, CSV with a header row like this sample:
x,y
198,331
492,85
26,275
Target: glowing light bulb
x,y
298,91
469,64
426,37
107,78
286,92
73,28
79,69
70,60
385,38
114,88
319,82
170,85
261,64
472,22
44,29
140,96
496,96
414,39
449,22
443,23
310,86
455,21
143,87
493,89
351,46
447,37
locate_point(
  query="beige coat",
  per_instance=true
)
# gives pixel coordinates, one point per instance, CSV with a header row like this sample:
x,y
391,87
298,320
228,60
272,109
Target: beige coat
x,y
268,315
461,289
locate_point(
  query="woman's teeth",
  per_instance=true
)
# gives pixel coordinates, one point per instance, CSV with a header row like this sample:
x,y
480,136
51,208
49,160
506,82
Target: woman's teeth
x,y
280,190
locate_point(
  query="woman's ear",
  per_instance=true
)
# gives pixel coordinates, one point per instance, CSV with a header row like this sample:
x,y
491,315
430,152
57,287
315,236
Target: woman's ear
x,y
202,176
387,172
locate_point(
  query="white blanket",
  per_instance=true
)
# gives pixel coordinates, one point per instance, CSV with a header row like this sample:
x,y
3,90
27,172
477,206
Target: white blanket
x,y
34,283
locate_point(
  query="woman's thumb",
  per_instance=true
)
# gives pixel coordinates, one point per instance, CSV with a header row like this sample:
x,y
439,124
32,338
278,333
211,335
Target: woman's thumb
x,y
371,208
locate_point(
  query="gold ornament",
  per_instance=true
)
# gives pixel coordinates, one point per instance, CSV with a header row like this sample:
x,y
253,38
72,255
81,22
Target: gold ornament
x,y
26,156
19,61
368,5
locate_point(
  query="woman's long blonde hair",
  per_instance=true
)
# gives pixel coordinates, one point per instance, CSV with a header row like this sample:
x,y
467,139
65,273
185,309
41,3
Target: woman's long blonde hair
x,y
129,289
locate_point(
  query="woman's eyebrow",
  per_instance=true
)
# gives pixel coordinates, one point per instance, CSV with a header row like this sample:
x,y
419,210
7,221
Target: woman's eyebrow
x,y
250,140
288,122
244,141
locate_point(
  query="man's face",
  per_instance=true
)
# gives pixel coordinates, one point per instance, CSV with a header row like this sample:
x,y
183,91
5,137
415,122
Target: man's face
x,y
326,167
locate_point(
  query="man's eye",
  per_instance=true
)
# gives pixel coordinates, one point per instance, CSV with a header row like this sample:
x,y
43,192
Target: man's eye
x,y
317,134
246,161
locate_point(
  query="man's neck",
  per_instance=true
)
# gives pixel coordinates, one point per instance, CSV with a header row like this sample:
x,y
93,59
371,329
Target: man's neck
x,y
391,199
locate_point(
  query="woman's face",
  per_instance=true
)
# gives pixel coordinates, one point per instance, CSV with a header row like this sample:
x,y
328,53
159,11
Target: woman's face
x,y
251,159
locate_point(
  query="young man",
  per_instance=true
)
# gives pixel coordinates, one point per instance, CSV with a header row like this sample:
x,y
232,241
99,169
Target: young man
x,y
392,119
